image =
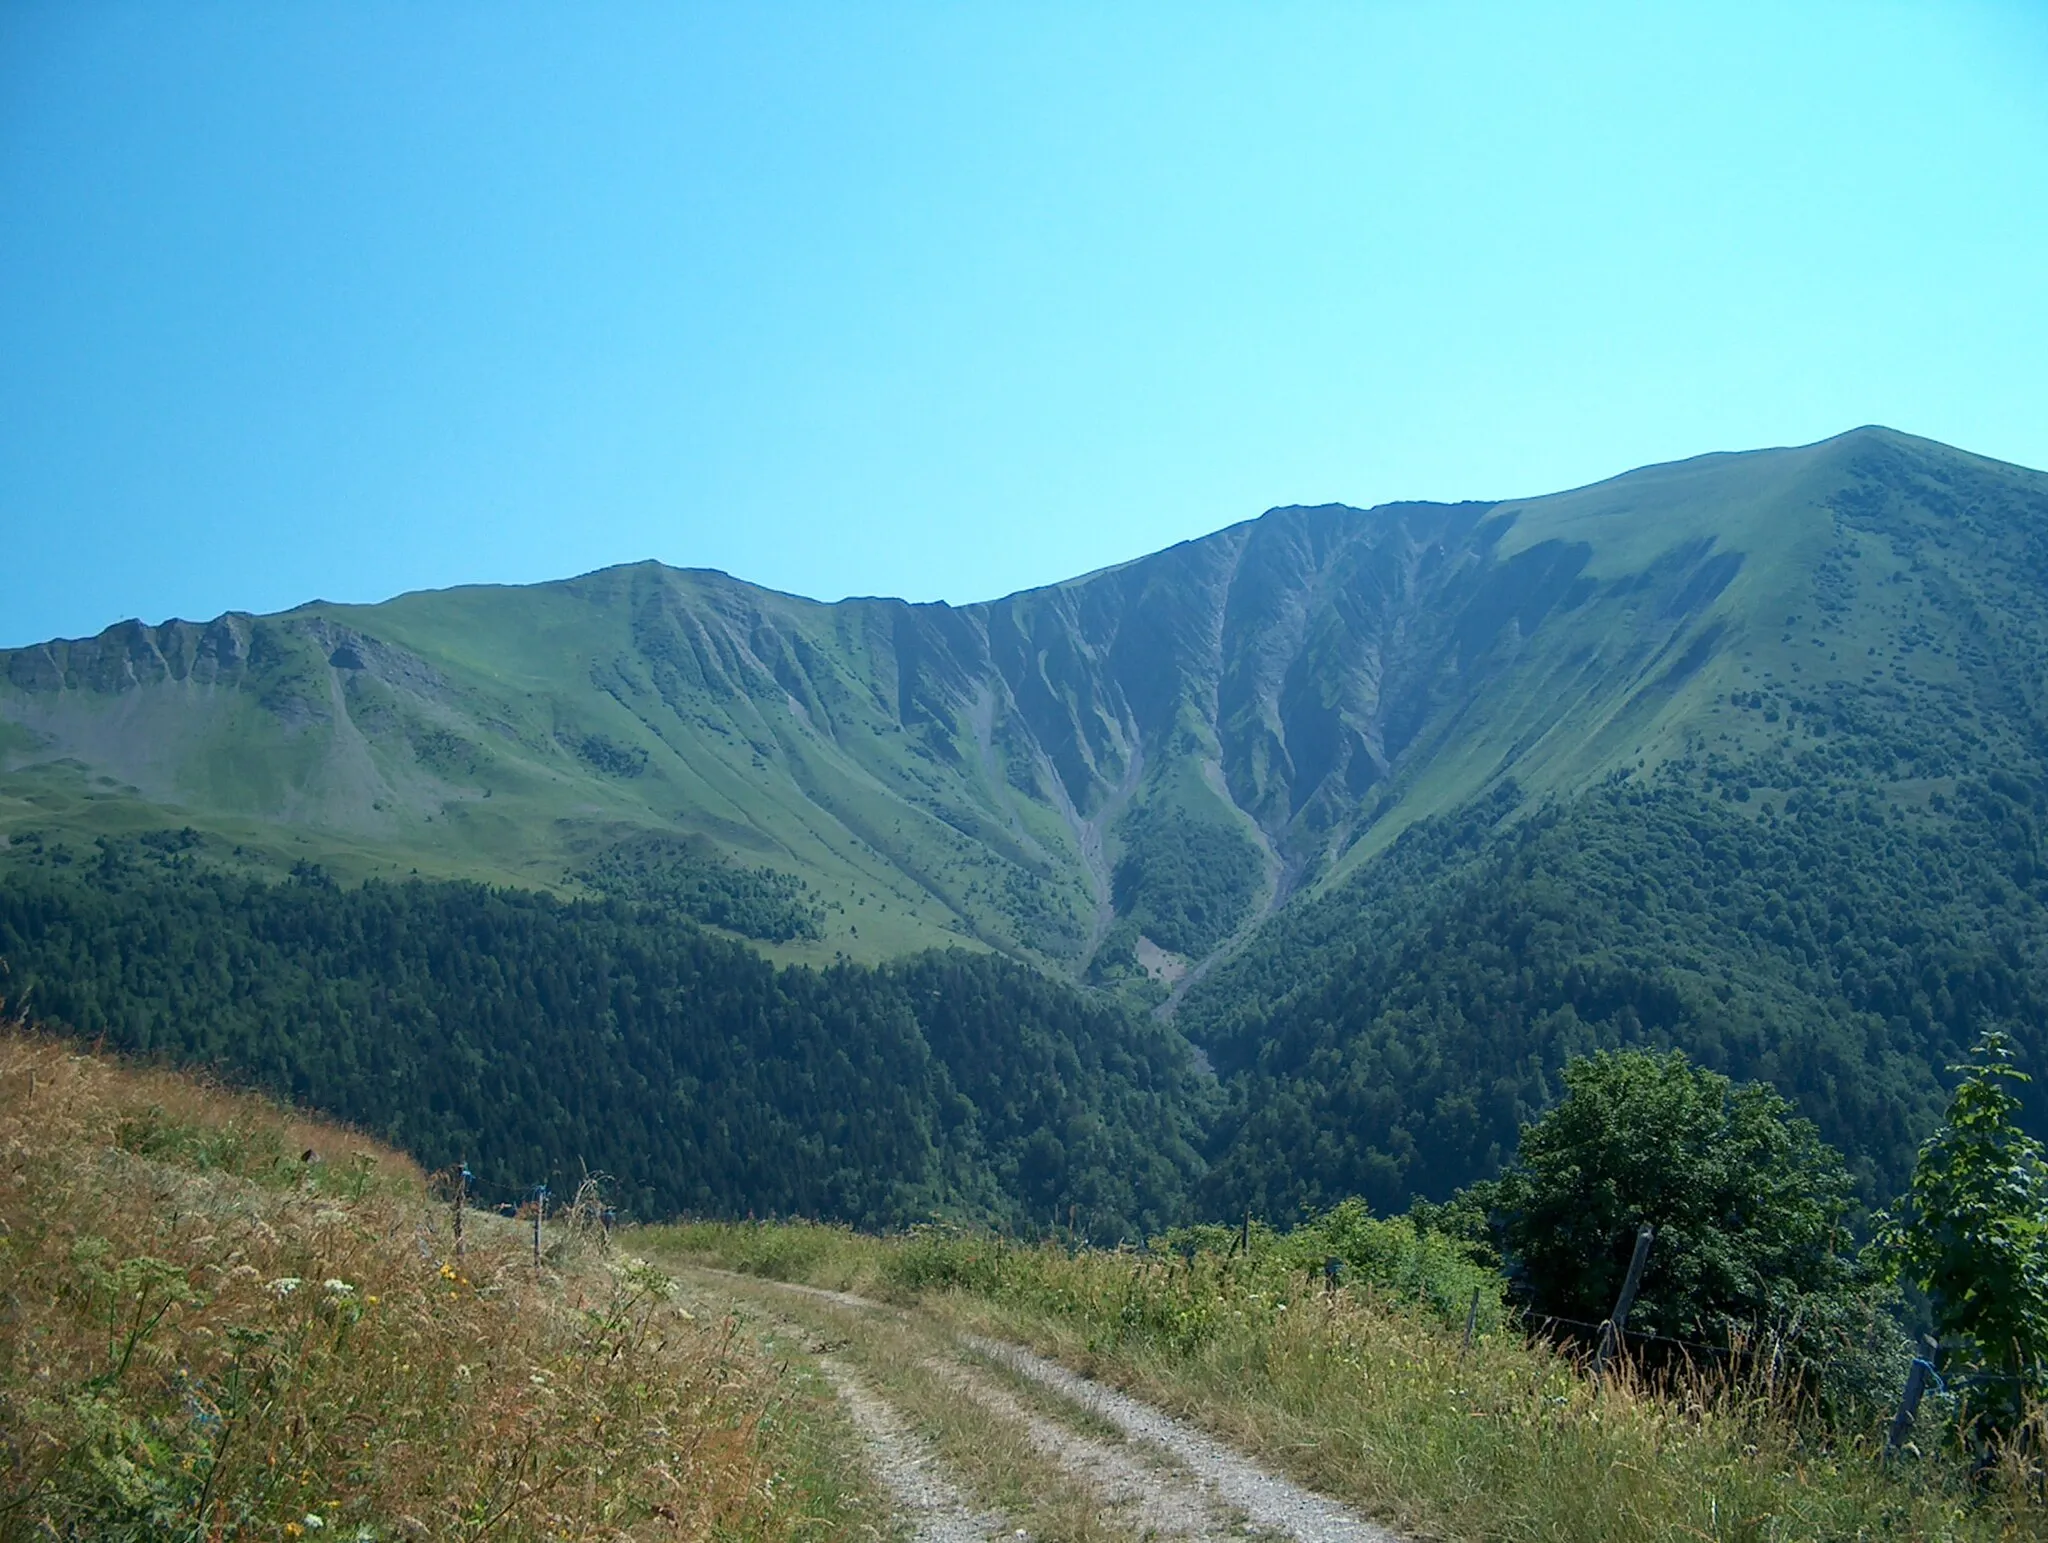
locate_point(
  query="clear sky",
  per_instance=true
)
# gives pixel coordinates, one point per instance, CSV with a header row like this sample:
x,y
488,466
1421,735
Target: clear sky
x,y
943,301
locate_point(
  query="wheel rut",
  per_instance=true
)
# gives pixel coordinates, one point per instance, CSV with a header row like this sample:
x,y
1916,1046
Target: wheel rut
x,y
1135,1473
932,1507
1268,1502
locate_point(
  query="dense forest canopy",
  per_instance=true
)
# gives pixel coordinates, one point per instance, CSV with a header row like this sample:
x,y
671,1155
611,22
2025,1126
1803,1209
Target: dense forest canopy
x,y
538,1037
1745,756
691,879
1389,1040
1393,1038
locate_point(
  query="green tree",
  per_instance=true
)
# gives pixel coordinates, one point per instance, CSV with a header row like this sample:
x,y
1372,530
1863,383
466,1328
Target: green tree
x,y
1974,1235
1747,1201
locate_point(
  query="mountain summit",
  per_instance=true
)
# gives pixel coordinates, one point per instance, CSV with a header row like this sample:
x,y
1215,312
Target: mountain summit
x,y
1398,810
1114,776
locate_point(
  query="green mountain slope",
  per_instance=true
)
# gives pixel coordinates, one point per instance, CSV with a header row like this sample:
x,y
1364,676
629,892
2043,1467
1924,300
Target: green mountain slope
x,y
1046,774
538,1038
1397,808
1826,871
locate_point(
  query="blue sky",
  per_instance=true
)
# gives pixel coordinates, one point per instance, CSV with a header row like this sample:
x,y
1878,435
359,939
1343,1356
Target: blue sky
x,y
948,300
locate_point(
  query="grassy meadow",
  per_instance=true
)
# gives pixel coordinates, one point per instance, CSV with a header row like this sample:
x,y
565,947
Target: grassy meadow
x,y
205,1335
1370,1393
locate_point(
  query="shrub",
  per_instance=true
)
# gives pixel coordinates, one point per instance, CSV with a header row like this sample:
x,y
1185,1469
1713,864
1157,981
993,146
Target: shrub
x,y
1747,1202
1975,1234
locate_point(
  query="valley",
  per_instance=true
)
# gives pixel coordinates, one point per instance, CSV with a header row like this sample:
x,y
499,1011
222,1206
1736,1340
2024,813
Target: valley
x,y
233,1318
1301,856
1308,878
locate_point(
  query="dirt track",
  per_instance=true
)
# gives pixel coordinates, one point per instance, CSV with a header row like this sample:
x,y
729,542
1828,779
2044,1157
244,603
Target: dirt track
x,y
1138,1472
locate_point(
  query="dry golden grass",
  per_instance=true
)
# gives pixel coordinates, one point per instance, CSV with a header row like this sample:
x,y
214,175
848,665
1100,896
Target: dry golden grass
x,y
202,1336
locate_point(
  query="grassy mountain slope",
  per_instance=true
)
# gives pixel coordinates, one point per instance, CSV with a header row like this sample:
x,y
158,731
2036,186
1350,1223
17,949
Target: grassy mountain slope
x,y
1404,806
1267,706
211,1337
1825,869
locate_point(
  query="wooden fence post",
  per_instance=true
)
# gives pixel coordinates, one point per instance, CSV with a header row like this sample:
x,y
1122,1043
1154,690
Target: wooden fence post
x,y
1471,1323
1611,1330
461,1188
1909,1400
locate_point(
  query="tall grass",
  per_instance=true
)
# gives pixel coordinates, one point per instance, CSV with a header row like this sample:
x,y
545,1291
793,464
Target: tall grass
x,y
204,1335
1370,1392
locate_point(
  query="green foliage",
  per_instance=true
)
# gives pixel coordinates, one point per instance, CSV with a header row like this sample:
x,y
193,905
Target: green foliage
x,y
692,881
1185,883
1378,1401
190,1355
1191,1282
253,1150
1775,800
1747,1203
1334,673
1392,1037
228,1147
603,754
537,1037
827,1254
1401,1256
1081,1110
1974,1236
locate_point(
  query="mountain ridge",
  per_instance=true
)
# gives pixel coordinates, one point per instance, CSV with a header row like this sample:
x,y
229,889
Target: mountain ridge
x,y
1272,702
1395,811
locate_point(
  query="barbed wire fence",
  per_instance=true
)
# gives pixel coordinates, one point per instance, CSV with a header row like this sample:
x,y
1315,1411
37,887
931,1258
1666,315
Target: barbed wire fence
x,y
587,1221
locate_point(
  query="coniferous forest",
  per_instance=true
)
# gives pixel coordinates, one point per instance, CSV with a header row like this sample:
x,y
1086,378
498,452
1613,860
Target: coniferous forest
x,y
538,1038
1392,1038
1388,1040
1292,864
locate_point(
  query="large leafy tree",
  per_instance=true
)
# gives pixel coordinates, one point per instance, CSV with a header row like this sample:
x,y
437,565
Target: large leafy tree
x,y
1974,1234
1747,1202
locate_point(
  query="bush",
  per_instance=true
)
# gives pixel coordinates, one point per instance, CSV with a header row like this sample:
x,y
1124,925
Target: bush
x,y
1747,1202
1975,1234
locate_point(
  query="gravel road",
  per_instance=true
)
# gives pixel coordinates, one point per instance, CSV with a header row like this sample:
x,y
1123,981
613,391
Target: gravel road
x,y
1268,1501
931,1505
1137,1485
1165,1479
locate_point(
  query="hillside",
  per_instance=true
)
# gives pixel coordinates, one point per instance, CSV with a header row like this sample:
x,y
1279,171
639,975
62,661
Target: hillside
x,y
541,1040
1160,752
1393,809
1827,870
227,1321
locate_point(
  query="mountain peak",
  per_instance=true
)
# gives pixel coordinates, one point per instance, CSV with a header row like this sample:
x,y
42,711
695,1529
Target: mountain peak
x,y
1158,753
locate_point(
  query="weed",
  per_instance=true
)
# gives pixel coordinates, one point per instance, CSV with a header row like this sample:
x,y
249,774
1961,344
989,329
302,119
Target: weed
x,y
204,1333
1370,1393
